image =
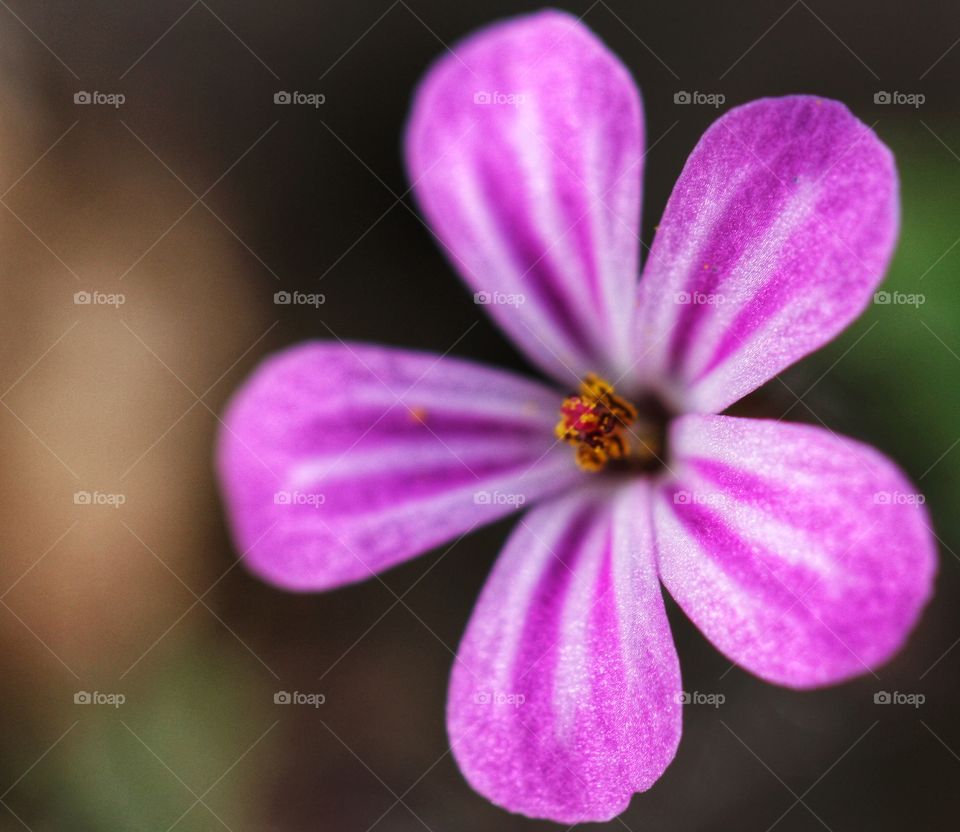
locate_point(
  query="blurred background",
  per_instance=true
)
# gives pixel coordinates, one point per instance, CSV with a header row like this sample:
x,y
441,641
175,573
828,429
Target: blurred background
x,y
185,197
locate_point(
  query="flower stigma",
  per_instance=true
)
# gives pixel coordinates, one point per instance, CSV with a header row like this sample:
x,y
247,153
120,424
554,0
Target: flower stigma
x,y
603,428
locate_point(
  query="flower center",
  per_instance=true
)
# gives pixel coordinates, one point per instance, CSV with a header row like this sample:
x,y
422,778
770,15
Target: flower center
x,y
603,428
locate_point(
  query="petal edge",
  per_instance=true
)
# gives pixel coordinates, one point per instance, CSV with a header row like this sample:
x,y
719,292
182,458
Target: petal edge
x,y
337,461
806,558
537,195
572,621
780,227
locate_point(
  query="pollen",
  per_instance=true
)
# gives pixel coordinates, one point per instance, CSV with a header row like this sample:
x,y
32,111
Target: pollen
x,y
596,421
417,414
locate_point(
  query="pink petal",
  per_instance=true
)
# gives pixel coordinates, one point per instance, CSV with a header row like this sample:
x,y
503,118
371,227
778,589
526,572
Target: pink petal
x,y
338,461
778,230
538,196
564,696
805,557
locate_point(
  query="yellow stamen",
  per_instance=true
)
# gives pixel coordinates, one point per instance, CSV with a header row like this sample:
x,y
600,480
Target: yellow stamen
x,y
597,423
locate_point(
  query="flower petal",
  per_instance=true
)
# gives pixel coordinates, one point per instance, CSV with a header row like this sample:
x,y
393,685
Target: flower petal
x,y
340,460
778,230
564,699
524,149
805,557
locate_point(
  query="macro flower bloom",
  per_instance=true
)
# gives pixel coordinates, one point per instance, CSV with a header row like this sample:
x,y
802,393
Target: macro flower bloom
x,y
805,557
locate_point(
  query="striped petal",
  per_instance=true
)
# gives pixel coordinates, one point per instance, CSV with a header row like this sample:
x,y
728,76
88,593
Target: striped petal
x,y
564,699
341,460
778,230
524,149
805,557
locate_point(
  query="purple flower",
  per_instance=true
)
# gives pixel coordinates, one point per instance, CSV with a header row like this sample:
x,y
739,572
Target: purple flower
x,y
805,557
